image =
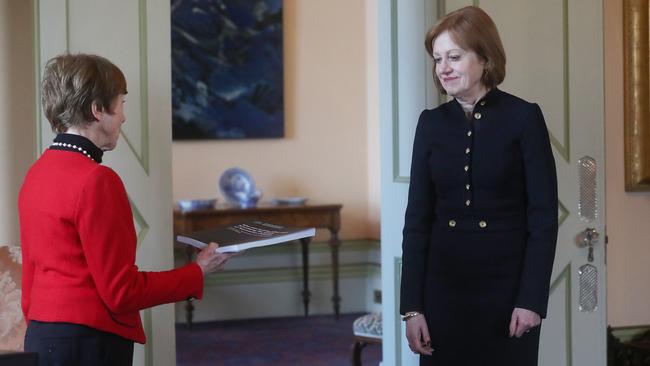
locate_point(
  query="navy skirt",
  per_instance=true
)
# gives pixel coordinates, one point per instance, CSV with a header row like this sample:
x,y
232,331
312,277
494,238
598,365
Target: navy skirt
x,y
471,285
65,344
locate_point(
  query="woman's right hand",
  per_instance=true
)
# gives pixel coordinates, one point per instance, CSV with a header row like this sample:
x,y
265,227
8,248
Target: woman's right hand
x,y
417,334
210,260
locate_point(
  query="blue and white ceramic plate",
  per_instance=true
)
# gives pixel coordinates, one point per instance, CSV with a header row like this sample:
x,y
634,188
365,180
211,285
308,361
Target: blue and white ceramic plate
x,y
293,200
238,187
197,204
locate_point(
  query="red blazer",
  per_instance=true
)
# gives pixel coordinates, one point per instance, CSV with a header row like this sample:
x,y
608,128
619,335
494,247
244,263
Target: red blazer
x,y
79,246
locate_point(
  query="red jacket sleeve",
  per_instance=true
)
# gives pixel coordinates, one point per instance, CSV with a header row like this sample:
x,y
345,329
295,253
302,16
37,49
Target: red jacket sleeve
x,y
105,224
27,280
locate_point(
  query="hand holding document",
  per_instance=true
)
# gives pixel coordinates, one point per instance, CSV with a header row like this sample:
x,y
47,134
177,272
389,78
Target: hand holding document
x,y
210,260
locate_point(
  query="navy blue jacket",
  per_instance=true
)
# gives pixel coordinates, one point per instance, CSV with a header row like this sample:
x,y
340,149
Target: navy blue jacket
x,y
494,171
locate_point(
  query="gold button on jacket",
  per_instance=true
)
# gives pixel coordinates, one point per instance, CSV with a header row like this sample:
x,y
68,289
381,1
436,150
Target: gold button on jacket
x,y
452,223
482,224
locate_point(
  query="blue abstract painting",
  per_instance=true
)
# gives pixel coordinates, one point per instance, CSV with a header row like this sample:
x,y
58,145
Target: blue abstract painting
x,y
227,69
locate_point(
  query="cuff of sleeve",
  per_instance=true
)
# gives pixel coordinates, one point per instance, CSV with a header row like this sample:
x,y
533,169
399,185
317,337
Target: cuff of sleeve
x,y
406,306
540,310
197,280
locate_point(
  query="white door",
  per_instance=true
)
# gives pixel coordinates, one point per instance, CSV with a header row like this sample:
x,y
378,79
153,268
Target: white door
x,y
554,50
135,35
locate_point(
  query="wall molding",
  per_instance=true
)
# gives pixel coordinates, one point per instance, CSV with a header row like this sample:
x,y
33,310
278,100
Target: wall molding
x,y
290,274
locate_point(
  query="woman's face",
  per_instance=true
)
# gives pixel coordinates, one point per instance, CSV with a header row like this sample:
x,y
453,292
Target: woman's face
x,y
458,70
110,124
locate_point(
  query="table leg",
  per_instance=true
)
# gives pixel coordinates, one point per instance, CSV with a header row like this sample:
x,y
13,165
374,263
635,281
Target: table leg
x,y
189,307
189,310
335,243
304,243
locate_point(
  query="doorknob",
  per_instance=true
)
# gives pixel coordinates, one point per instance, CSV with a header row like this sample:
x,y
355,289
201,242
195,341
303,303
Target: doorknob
x,y
587,239
588,273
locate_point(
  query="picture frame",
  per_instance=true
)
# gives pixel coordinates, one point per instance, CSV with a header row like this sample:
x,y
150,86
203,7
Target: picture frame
x,y
636,46
227,69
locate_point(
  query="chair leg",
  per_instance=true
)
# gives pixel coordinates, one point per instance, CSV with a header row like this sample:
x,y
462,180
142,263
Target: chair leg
x,y
356,352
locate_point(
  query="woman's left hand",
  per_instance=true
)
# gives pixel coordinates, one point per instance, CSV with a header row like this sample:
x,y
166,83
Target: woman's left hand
x,y
212,261
522,320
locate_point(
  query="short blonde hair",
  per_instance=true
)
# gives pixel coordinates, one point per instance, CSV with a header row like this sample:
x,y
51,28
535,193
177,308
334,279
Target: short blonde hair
x,y
71,83
473,30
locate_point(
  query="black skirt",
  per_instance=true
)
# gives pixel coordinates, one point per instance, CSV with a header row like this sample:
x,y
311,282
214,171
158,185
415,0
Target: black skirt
x,y
470,289
76,345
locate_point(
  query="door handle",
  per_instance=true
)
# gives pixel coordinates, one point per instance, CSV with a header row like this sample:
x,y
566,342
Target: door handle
x,y
587,239
588,273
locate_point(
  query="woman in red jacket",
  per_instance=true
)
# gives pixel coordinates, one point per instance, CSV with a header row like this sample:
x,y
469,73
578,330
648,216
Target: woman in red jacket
x,y
82,291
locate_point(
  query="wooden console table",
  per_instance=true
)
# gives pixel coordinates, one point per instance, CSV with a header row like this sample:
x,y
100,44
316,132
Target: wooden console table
x,y
318,216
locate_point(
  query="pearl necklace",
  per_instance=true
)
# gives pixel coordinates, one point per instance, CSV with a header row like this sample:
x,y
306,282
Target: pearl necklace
x,y
72,146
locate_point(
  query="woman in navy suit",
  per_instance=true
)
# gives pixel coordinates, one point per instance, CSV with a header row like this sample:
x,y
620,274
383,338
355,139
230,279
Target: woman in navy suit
x,y
481,223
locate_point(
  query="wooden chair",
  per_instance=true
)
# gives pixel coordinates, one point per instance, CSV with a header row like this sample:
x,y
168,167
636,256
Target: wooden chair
x,y
635,352
12,323
367,330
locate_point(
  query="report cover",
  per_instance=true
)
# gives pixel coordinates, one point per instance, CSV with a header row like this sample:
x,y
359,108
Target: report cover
x,y
245,235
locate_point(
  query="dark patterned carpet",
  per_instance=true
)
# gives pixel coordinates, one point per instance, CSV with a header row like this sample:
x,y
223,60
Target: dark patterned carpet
x,y
312,341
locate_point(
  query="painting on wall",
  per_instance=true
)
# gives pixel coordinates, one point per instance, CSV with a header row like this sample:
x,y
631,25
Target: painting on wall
x,y
227,69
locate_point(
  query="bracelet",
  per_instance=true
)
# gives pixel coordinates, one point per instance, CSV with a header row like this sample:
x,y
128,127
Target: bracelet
x,y
410,315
